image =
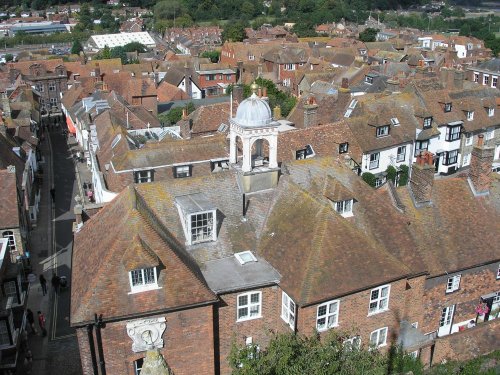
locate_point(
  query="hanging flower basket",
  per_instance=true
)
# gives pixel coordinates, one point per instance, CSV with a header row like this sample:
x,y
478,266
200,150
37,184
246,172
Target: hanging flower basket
x,y
482,309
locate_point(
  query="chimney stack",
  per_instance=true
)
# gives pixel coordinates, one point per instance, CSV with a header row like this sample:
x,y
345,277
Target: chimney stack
x,y
184,113
480,167
310,112
238,93
277,112
422,178
78,211
345,85
459,79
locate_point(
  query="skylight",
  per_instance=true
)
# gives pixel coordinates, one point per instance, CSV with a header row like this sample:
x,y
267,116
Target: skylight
x,y
245,257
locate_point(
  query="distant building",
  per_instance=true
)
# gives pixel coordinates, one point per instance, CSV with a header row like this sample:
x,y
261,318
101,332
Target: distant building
x,y
97,42
39,28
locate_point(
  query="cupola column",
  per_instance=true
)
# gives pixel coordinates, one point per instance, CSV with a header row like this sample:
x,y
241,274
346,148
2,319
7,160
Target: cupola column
x,y
273,152
233,154
247,156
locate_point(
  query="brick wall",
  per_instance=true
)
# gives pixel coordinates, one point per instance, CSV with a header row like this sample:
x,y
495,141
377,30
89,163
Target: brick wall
x,y
188,344
259,329
473,284
353,311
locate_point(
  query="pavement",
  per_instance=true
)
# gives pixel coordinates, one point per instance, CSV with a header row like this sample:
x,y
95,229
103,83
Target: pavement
x,y
50,248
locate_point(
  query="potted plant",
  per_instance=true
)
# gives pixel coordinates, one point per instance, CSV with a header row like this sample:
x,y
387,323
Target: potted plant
x,y
481,310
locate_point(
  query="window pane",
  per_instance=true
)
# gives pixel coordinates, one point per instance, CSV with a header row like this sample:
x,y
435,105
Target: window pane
x,y
136,277
333,307
374,294
382,336
243,312
149,276
321,323
373,306
255,298
332,320
243,300
384,291
373,338
255,310
322,310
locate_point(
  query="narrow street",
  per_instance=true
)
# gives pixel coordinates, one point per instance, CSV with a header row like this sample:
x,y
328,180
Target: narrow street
x,y
51,245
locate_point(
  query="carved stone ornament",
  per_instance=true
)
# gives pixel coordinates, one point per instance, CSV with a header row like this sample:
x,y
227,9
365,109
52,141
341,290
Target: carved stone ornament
x,y
146,333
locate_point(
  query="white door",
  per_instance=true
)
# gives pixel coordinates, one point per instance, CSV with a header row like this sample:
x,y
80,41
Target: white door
x,y
446,320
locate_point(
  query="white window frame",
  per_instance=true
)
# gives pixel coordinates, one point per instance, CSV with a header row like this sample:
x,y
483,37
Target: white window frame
x,y
466,159
286,82
486,79
447,107
11,238
251,57
52,86
468,139
330,316
470,115
249,305
39,87
453,283
401,154
453,132
379,303
352,343
182,171
490,133
427,122
498,272
395,121
374,160
476,77
289,67
422,148
137,369
143,286
245,257
494,81
288,310
382,131
141,177
491,112
210,221
377,335
344,208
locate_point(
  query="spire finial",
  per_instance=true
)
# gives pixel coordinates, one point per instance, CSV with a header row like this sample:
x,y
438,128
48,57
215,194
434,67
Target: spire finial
x,y
254,87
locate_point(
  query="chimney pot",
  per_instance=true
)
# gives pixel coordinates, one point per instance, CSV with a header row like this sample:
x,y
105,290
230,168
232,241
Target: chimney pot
x,y
480,140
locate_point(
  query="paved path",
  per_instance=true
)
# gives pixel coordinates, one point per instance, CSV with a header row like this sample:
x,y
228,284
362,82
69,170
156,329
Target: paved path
x,y
50,249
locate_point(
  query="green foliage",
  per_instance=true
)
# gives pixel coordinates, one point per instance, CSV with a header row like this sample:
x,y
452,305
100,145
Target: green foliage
x,y
391,173
291,354
369,178
23,38
85,21
368,35
304,29
486,365
404,172
135,46
119,52
212,55
105,53
9,57
76,48
173,116
234,32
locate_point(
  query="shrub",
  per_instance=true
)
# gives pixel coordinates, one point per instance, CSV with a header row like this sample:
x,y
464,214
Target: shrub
x,y
369,178
403,175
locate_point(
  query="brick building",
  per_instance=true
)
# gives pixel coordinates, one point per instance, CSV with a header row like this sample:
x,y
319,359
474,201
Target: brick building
x,y
191,266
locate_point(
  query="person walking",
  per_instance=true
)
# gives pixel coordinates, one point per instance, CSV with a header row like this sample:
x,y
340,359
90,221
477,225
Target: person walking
x,y
56,281
31,320
41,323
43,283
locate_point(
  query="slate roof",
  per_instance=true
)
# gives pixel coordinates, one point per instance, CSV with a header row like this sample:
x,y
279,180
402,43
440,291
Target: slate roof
x,y
9,212
492,65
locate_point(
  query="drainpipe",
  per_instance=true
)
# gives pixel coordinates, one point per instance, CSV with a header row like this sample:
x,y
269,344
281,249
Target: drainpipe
x,y
98,325
90,337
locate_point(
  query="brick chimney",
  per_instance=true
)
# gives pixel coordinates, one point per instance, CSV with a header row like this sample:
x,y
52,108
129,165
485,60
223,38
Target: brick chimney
x,y
458,81
480,168
310,112
277,112
238,93
345,85
422,178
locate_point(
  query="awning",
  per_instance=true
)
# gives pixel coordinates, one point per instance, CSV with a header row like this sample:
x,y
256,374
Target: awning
x,y
70,125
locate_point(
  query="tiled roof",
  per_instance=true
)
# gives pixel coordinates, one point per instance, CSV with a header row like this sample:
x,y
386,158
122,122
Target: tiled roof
x,y
100,280
9,211
24,66
168,92
206,119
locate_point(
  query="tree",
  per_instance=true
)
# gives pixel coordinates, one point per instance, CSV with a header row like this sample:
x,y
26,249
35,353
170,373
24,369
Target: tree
x,y
106,53
173,116
9,57
212,55
234,32
293,354
135,47
369,178
76,48
119,52
368,35
84,18
168,9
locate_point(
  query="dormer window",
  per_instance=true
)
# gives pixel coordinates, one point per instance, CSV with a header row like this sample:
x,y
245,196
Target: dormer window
x,y
369,79
447,107
305,153
395,121
251,57
343,148
198,217
491,112
143,279
344,208
382,131
427,122
141,177
470,115
182,171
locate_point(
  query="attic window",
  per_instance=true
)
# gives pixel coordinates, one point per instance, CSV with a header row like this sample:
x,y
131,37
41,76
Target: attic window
x,y
245,257
395,121
182,171
198,218
427,122
470,115
343,148
382,131
143,279
305,153
447,107
344,208
491,112
369,79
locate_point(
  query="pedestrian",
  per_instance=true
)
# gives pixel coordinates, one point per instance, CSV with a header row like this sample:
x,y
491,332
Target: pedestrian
x,y
56,281
31,320
53,194
41,323
43,283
